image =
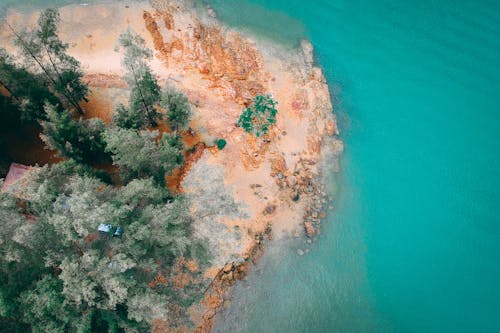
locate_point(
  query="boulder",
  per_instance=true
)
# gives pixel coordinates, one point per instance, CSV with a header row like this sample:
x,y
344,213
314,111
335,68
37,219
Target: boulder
x,y
309,228
291,181
228,268
269,209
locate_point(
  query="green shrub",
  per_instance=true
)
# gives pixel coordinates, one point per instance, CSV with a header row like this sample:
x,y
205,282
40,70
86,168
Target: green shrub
x,y
259,116
221,143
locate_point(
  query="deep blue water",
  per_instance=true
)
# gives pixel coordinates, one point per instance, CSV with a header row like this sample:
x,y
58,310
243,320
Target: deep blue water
x,y
413,244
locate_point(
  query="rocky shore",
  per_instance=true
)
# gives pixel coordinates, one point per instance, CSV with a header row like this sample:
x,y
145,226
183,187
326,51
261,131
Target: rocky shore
x,y
254,189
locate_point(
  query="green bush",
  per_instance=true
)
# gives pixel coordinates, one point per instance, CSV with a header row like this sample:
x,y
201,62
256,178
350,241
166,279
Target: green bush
x,y
259,116
221,143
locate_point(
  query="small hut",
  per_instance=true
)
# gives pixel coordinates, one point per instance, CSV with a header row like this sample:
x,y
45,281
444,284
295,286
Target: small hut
x,y
16,172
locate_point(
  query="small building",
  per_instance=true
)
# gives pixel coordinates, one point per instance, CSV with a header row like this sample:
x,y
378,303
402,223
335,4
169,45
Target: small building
x,y
16,172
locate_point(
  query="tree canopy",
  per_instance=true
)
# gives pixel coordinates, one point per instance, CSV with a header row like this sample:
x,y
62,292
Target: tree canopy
x,y
80,140
59,272
46,54
178,110
139,155
145,91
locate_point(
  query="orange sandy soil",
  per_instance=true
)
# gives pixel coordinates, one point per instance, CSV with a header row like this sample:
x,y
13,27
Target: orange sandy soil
x,y
220,70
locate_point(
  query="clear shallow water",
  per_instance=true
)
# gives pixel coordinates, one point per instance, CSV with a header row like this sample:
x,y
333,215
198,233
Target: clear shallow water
x,y
414,242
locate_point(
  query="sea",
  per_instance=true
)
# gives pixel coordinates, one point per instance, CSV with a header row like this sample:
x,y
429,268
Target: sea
x,y
413,241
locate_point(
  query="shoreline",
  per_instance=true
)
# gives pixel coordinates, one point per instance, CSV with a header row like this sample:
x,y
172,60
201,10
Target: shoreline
x,y
273,189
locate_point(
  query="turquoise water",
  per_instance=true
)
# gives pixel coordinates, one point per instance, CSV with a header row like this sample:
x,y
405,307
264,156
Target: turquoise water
x,y
413,244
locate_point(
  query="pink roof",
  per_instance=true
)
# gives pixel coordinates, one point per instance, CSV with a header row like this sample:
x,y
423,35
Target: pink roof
x,y
16,172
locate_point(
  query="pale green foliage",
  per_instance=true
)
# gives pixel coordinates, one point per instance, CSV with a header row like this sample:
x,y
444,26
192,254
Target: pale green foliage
x,y
147,305
65,277
178,108
169,228
142,192
77,212
10,220
138,155
96,280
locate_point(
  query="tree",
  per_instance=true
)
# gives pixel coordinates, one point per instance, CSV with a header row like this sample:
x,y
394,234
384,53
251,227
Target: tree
x,y
127,117
26,90
80,139
145,91
44,307
80,208
55,278
43,50
259,116
178,109
138,155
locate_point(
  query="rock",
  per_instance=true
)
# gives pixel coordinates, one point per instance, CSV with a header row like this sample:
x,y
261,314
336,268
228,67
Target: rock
x,y
309,228
291,181
228,268
270,209
317,75
331,128
307,48
211,12
300,252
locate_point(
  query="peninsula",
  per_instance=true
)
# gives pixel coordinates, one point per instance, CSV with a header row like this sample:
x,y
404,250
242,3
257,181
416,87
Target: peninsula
x,y
167,150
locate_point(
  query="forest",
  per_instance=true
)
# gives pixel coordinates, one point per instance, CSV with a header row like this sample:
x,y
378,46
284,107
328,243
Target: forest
x,y
83,249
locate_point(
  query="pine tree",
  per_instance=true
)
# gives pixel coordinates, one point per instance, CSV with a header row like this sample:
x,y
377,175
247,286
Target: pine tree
x,y
138,155
44,51
178,108
26,90
145,91
80,140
